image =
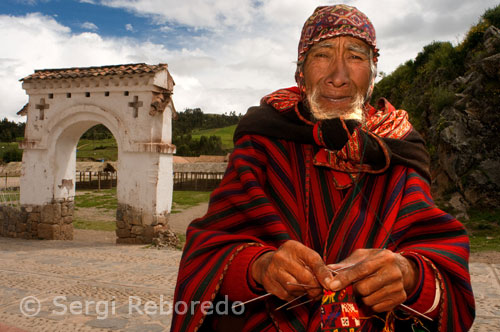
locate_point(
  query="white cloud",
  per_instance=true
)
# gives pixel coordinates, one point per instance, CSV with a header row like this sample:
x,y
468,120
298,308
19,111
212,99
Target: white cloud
x,y
165,28
129,27
89,26
31,2
239,51
92,2
196,13
27,2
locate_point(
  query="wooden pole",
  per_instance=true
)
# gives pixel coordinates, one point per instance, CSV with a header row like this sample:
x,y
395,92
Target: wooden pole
x,y
99,181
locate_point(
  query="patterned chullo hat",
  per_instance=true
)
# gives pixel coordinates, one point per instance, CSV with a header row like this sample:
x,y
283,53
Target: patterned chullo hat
x,y
333,21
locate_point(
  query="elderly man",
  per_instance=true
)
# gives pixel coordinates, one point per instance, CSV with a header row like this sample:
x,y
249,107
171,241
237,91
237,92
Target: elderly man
x,y
321,181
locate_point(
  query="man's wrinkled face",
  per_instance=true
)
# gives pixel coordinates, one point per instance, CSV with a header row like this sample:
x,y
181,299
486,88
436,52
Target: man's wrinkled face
x,y
337,77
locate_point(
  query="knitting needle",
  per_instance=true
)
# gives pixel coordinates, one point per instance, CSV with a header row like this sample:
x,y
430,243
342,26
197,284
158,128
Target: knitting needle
x,y
416,312
302,285
336,271
295,299
297,305
331,270
254,299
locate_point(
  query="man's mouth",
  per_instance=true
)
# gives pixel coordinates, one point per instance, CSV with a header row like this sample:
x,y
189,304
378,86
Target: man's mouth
x,y
337,99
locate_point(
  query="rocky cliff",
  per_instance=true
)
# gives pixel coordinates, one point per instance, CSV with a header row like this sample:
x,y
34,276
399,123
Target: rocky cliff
x,y
465,135
452,95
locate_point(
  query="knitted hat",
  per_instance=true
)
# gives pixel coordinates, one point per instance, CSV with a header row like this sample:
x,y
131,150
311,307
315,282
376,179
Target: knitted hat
x,y
333,21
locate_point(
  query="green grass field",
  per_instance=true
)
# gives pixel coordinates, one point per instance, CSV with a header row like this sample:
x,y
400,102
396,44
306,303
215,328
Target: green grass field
x,y
106,149
103,199
226,135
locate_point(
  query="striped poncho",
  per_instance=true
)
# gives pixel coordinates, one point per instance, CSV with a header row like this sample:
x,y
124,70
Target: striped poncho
x,y
278,189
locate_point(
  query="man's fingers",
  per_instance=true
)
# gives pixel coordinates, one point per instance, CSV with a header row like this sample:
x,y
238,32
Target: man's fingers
x,y
307,278
357,272
391,293
322,275
281,287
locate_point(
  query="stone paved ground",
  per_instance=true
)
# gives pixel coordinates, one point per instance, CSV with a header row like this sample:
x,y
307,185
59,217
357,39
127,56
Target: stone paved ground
x,y
64,273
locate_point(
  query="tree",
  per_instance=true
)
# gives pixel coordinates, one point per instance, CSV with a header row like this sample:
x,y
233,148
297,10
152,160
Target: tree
x,y
10,131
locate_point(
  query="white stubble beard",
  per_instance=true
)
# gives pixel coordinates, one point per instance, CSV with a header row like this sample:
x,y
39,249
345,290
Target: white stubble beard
x,y
355,111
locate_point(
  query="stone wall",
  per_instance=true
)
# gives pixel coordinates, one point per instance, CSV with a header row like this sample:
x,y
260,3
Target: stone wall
x,y
134,226
51,221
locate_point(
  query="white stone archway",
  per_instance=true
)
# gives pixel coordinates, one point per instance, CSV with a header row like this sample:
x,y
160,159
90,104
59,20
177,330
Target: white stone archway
x,y
134,102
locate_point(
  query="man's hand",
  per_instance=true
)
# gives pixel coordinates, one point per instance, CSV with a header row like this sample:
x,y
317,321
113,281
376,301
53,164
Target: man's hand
x,y
295,263
381,278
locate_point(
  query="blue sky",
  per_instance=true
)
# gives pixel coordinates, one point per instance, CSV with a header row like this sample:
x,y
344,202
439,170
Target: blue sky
x,y
224,55
74,14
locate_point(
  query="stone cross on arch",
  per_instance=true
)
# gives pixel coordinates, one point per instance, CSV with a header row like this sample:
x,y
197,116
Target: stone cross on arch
x,y
42,107
135,105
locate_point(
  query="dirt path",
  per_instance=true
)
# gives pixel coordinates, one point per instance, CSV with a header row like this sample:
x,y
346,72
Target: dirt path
x,y
179,221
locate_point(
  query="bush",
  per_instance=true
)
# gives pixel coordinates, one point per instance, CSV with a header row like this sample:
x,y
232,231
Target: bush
x,y
492,16
12,154
442,98
187,146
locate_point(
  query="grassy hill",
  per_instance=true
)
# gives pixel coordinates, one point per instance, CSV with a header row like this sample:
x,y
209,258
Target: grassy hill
x,y
106,149
226,134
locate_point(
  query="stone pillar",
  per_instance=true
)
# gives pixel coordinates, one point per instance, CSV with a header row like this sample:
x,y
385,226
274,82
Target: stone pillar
x,y
144,207
138,226
56,221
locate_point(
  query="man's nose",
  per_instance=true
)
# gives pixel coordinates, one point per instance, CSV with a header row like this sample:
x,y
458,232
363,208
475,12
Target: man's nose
x,y
338,73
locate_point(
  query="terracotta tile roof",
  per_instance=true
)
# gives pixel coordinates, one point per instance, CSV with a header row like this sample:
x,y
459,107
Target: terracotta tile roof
x,y
81,72
206,159
24,110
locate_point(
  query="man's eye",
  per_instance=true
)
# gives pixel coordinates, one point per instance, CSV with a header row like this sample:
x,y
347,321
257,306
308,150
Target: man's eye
x,y
321,55
355,57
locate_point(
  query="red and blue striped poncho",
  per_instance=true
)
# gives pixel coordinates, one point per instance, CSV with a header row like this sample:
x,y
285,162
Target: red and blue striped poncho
x,y
279,187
